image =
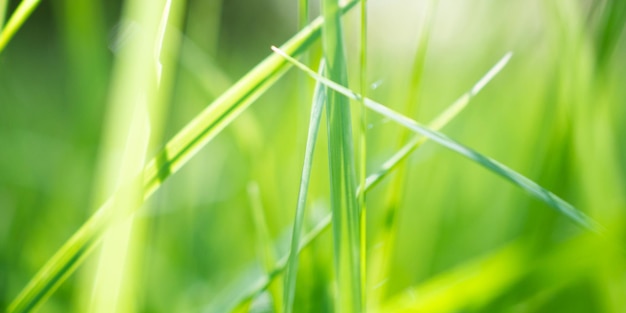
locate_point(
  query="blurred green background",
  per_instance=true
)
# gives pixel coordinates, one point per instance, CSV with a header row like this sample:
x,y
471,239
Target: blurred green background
x,y
466,239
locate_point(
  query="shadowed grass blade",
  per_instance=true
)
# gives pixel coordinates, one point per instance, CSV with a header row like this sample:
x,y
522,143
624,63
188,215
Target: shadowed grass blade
x,y
494,166
344,206
23,11
319,98
176,153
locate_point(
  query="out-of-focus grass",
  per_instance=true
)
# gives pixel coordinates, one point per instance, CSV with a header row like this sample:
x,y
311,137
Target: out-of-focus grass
x,y
556,114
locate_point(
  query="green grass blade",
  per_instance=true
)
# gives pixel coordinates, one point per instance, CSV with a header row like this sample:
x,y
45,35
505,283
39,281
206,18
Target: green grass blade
x,y
388,166
344,206
23,11
494,166
319,98
176,153
363,152
438,123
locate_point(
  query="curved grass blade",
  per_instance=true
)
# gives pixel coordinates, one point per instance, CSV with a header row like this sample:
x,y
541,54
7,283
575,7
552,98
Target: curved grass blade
x,y
319,98
23,11
176,153
494,166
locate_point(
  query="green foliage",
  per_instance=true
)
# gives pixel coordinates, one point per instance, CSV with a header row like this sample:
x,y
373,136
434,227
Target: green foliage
x,y
230,213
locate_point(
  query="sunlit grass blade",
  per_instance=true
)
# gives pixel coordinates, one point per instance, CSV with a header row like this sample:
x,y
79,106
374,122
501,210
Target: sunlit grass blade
x,y
346,229
470,283
494,166
176,153
23,11
479,281
319,98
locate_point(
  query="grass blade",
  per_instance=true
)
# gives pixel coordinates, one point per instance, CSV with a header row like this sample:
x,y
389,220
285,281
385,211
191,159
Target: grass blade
x,y
388,166
494,166
319,98
176,153
346,229
363,152
23,11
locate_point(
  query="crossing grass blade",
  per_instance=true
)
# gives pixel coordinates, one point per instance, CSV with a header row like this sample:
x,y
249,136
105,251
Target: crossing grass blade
x,y
23,11
346,229
387,167
540,193
178,151
319,98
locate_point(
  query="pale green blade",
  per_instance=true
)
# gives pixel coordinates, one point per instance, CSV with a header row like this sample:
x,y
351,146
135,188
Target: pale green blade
x,y
319,98
494,166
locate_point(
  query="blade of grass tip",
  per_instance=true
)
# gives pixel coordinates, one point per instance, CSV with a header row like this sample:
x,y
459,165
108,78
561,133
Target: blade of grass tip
x,y
136,72
23,11
438,123
363,152
540,193
346,229
319,98
176,153
265,245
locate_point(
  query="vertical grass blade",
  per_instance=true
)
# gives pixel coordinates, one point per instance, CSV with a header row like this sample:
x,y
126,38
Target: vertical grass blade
x,y
388,166
176,153
319,98
23,11
532,188
363,152
342,171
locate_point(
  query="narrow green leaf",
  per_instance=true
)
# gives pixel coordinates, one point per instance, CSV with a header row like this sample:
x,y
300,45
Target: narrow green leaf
x,y
319,98
494,166
346,221
363,153
176,153
23,11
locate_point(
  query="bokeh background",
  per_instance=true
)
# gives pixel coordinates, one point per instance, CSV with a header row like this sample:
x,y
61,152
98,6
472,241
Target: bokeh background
x,y
466,239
